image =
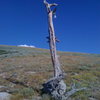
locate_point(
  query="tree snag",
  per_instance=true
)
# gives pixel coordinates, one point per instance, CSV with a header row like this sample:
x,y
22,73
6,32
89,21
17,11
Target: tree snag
x,y
55,86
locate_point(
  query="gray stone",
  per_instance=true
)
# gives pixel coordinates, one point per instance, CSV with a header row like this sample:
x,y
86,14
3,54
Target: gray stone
x,y
37,98
4,96
92,98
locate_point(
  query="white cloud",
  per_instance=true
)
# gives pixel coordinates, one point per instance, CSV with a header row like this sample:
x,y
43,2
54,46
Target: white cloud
x,y
30,46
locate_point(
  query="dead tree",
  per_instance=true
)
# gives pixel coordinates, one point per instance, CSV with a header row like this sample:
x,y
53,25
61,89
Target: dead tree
x,y
55,86
52,39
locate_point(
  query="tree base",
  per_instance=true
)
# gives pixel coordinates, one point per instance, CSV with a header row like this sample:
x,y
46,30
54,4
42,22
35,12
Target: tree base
x,y
57,89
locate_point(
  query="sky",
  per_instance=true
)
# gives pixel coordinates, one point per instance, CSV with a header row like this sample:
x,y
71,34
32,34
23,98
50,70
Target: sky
x,y
77,25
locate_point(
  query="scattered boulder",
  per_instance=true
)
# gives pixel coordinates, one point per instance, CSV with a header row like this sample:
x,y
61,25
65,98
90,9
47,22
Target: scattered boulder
x,y
92,98
4,96
37,98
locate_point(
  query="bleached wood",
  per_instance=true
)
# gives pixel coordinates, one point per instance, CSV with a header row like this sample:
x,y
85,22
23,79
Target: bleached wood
x,y
55,86
52,40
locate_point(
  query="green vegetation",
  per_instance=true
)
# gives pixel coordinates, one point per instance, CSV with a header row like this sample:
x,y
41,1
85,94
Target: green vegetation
x,y
46,97
24,93
3,52
31,67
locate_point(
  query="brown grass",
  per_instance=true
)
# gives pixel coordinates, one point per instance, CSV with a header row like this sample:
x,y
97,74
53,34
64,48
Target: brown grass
x,y
35,68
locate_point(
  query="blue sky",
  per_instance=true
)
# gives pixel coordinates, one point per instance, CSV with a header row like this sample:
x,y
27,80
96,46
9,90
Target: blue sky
x,y
77,24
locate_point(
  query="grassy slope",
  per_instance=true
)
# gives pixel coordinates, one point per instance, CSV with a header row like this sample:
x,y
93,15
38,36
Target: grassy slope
x,y
33,67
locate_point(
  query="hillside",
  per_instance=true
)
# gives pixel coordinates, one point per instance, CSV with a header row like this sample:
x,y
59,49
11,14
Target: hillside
x,y
23,70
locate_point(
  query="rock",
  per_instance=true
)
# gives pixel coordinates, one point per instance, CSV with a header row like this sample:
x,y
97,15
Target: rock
x,y
37,98
2,87
30,72
92,98
4,96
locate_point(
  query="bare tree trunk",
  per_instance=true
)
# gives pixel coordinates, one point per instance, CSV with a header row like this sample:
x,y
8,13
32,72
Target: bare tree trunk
x,y
52,43
55,86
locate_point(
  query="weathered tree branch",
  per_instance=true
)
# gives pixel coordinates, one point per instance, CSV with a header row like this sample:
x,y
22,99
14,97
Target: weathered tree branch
x,y
72,91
